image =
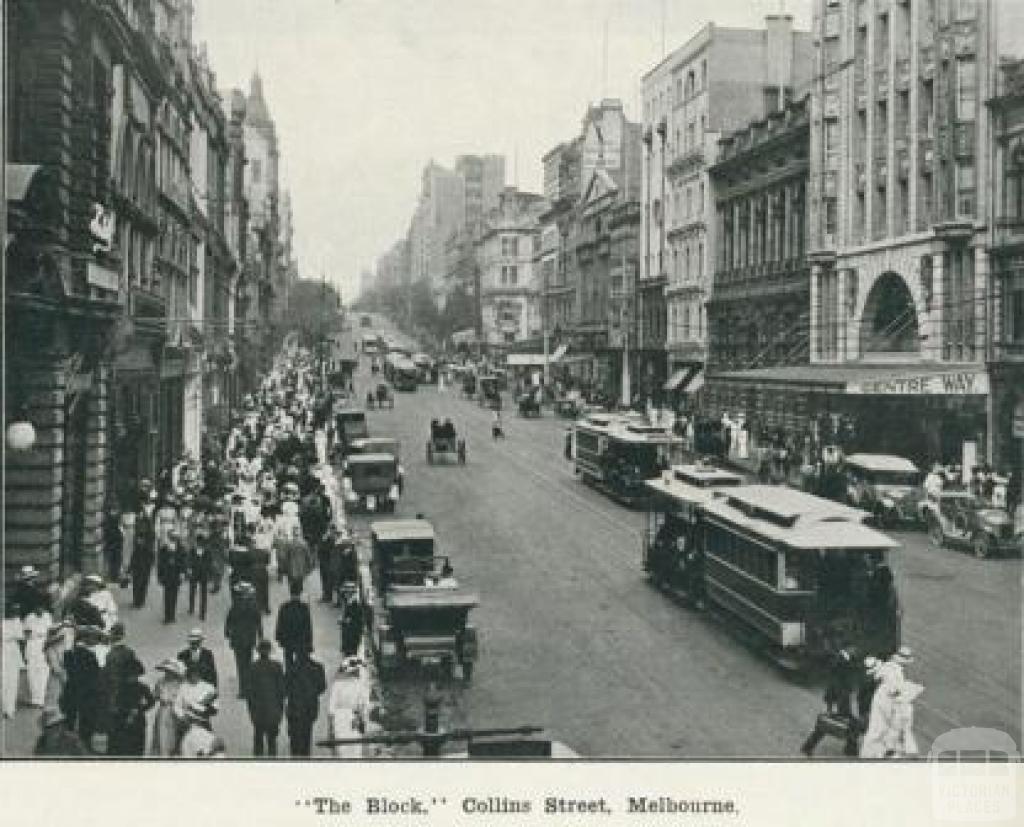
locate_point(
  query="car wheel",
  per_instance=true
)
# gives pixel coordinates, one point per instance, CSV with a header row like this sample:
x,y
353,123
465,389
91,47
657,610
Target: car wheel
x,y
935,533
982,545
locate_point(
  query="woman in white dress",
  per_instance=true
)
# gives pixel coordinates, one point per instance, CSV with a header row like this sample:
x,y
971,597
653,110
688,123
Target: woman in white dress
x,y
37,624
349,706
166,725
13,662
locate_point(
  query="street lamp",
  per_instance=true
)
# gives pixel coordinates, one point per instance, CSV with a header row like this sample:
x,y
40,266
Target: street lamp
x,y
21,436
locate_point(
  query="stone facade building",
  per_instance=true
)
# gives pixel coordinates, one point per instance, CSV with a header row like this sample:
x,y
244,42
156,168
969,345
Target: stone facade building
x,y
720,80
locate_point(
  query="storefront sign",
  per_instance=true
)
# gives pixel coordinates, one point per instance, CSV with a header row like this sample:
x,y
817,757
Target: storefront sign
x,y
102,277
972,382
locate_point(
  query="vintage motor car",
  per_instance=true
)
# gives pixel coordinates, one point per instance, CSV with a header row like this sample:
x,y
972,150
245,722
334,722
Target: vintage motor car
x,y
381,445
958,517
444,440
349,424
528,403
886,486
419,612
370,482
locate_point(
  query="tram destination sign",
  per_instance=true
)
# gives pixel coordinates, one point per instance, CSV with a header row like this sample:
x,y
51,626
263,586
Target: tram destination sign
x,y
967,382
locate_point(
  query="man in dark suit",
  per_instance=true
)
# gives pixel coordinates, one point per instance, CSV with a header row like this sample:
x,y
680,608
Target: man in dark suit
x,y
294,631
243,628
119,660
172,564
200,656
143,551
83,700
266,700
305,682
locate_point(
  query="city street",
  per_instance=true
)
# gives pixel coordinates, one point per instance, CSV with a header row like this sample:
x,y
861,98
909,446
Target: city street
x,y
573,637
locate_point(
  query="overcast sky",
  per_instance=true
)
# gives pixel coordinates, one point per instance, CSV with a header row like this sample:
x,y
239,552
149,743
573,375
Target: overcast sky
x,y
365,92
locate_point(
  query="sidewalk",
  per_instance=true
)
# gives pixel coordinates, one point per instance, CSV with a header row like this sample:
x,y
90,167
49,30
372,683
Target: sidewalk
x,y
153,641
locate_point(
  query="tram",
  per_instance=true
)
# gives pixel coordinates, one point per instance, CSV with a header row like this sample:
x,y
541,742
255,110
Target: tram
x,y
801,575
617,453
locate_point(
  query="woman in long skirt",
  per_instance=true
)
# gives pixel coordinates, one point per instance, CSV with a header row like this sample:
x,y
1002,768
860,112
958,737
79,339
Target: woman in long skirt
x,y
13,662
37,624
54,647
166,726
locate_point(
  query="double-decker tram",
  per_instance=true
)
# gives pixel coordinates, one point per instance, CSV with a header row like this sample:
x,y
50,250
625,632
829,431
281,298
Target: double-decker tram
x,y
618,453
801,575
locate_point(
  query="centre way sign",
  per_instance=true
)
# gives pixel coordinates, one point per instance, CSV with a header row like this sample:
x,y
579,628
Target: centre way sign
x,y
971,381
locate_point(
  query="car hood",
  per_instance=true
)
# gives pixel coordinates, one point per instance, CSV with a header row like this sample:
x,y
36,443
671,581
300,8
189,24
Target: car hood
x,y
993,516
897,492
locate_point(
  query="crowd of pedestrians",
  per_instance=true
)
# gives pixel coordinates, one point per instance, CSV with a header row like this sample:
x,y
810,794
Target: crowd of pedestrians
x,y
253,513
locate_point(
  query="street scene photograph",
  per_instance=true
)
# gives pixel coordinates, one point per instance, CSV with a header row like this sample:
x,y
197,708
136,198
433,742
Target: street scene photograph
x,y
534,380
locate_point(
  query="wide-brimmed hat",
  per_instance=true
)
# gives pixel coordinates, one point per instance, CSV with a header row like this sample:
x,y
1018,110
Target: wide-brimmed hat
x,y
903,656
244,589
172,666
95,579
28,573
117,631
89,633
199,711
350,665
196,634
871,665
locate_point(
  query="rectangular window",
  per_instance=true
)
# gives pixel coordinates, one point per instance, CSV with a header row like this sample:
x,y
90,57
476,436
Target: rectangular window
x,y
831,136
831,209
256,171
513,274
966,81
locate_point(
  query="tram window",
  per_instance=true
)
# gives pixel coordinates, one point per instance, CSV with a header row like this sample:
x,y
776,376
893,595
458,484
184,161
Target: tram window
x,y
799,574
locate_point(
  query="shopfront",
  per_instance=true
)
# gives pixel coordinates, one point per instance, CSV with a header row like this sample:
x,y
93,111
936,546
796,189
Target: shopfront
x,y
933,413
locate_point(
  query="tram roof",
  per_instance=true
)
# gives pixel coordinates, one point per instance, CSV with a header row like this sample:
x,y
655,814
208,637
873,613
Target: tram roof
x,y
881,462
369,459
694,481
797,519
398,530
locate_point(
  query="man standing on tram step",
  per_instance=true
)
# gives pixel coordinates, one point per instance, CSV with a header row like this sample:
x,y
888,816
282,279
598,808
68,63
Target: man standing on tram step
x,y
294,631
305,682
243,628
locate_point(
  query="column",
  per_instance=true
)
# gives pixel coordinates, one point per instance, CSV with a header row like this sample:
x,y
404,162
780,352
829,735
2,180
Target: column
x,y
35,479
816,320
96,457
936,328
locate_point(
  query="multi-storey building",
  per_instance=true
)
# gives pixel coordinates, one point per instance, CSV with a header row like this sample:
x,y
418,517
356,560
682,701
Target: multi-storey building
x,y
236,222
717,82
206,397
82,220
899,194
505,252
759,309
262,193
393,265
1006,286
439,212
483,178
562,189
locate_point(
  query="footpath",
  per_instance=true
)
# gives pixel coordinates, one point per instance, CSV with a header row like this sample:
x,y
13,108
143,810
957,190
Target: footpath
x,y
153,641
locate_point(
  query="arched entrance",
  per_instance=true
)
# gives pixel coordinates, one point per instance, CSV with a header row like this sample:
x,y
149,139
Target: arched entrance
x,y
889,321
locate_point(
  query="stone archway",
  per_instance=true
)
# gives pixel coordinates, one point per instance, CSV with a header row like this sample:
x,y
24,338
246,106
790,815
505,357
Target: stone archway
x,y
889,322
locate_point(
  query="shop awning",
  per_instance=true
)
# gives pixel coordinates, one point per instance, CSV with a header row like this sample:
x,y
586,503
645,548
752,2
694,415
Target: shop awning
x,y
18,179
677,379
687,379
524,360
870,380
